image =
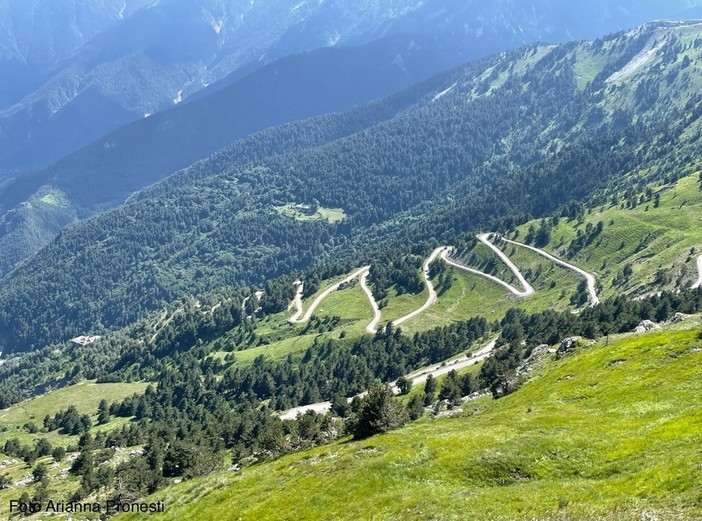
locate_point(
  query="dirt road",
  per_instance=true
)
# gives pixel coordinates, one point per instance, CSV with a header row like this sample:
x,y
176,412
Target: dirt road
x,y
417,377
296,319
373,326
432,292
699,273
589,277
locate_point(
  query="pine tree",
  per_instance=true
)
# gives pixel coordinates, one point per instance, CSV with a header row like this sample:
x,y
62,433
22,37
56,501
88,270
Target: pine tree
x,y
404,385
39,472
415,407
103,412
379,413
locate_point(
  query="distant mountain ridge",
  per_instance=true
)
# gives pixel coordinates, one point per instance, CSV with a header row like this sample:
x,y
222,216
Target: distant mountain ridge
x,y
37,35
101,65
152,59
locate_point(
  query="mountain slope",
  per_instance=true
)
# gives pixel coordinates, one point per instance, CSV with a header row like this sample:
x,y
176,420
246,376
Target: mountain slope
x,y
103,174
85,99
152,59
462,157
37,35
606,432
105,75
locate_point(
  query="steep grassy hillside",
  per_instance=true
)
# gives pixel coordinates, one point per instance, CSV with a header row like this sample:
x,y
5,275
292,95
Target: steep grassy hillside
x,y
648,241
85,396
608,432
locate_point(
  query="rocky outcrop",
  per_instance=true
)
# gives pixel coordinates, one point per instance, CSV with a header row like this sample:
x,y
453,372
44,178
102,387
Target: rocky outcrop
x,y
646,325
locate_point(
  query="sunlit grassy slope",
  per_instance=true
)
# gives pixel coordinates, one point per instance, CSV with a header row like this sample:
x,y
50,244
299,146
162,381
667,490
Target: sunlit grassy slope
x,y
609,432
666,238
85,396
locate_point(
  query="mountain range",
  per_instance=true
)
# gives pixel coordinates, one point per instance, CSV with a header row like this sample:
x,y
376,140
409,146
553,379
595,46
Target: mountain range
x,y
81,69
444,288
86,86
451,154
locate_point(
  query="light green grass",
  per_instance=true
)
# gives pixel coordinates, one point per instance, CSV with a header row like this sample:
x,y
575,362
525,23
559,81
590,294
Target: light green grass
x,y
472,295
85,396
648,238
333,215
52,200
351,304
469,295
401,305
587,66
606,433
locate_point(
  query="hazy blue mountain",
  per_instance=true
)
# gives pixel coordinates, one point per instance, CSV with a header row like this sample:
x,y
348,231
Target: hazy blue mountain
x,y
517,22
36,35
94,66
155,57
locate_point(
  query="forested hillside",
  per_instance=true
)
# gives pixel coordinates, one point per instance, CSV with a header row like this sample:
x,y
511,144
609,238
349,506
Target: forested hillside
x,y
466,149
102,175
72,84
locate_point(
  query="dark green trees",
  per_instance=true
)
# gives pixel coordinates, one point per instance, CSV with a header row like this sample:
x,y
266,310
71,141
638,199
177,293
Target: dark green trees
x,y
379,413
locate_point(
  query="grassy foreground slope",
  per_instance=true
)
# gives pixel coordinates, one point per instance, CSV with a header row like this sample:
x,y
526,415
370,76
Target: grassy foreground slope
x,y
608,432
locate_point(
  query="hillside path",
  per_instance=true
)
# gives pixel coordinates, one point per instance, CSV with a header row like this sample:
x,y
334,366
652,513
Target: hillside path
x,y
432,292
416,377
528,289
373,326
297,302
296,319
699,273
589,277
420,376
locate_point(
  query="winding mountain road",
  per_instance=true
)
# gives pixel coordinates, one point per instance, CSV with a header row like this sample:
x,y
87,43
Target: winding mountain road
x,y
297,302
443,252
420,376
589,277
373,326
416,377
296,319
528,289
432,292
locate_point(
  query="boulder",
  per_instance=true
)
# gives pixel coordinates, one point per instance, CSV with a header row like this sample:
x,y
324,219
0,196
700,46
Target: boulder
x,y
646,325
679,317
568,344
